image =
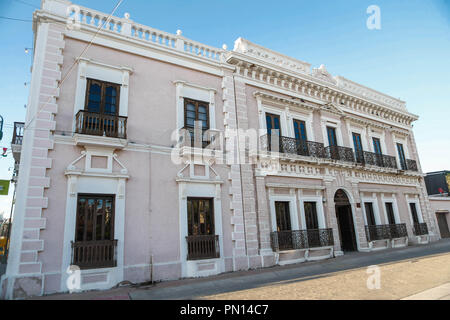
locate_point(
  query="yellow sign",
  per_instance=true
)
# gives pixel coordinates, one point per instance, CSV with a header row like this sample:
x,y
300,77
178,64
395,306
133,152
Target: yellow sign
x,y
4,187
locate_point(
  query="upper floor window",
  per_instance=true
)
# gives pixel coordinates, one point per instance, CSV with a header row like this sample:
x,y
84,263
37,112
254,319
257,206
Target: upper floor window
x,y
357,143
401,156
300,130
273,123
102,97
332,139
377,146
196,111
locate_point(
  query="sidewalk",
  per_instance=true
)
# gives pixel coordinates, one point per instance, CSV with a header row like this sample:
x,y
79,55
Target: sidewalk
x,y
310,276
438,293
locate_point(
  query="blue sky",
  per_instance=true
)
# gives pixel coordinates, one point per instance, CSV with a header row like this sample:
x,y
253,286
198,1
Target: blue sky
x,y
409,58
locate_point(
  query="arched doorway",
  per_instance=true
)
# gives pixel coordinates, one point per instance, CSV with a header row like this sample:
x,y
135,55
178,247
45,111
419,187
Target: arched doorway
x,y
345,221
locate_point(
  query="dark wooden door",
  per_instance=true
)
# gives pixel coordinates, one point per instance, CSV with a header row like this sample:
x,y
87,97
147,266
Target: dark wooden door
x,y
283,216
346,228
443,225
311,216
369,214
390,213
414,212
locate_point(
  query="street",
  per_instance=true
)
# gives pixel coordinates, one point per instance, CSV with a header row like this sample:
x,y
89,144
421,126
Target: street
x,y
404,272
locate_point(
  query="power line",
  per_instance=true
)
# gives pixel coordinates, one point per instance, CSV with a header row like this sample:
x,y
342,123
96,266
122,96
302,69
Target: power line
x,y
15,19
76,61
26,3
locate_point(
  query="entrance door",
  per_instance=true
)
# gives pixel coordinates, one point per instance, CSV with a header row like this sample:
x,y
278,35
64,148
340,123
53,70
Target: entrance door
x,y
390,213
285,241
345,221
369,214
443,225
283,216
312,224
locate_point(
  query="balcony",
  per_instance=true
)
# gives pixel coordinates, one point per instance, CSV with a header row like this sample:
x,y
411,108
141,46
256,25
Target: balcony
x,y
340,153
293,146
290,145
411,165
203,247
97,124
94,254
375,159
17,139
420,229
301,239
386,231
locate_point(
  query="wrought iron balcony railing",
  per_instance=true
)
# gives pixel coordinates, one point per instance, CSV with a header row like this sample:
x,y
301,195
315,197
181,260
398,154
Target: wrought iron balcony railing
x,y
409,164
98,124
420,229
18,133
203,247
94,254
375,159
290,145
301,239
386,231
340,153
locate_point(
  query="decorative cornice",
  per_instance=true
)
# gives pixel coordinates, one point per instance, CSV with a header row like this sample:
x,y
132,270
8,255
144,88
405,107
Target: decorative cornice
x,y
318,85
332,108
98,63
369,93
293,186
271,57
193,85
284,101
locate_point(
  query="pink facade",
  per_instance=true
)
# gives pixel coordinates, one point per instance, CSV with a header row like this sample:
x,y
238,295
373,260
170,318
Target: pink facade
x,y
179,211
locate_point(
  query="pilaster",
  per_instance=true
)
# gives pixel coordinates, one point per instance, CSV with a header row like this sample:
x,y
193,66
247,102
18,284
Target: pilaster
x,y
24,270
331,215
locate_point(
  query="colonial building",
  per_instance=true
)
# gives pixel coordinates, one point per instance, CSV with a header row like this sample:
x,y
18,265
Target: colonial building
x,y
148,156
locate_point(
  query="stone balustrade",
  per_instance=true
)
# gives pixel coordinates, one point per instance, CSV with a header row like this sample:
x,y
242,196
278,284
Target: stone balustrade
x,y
124,26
